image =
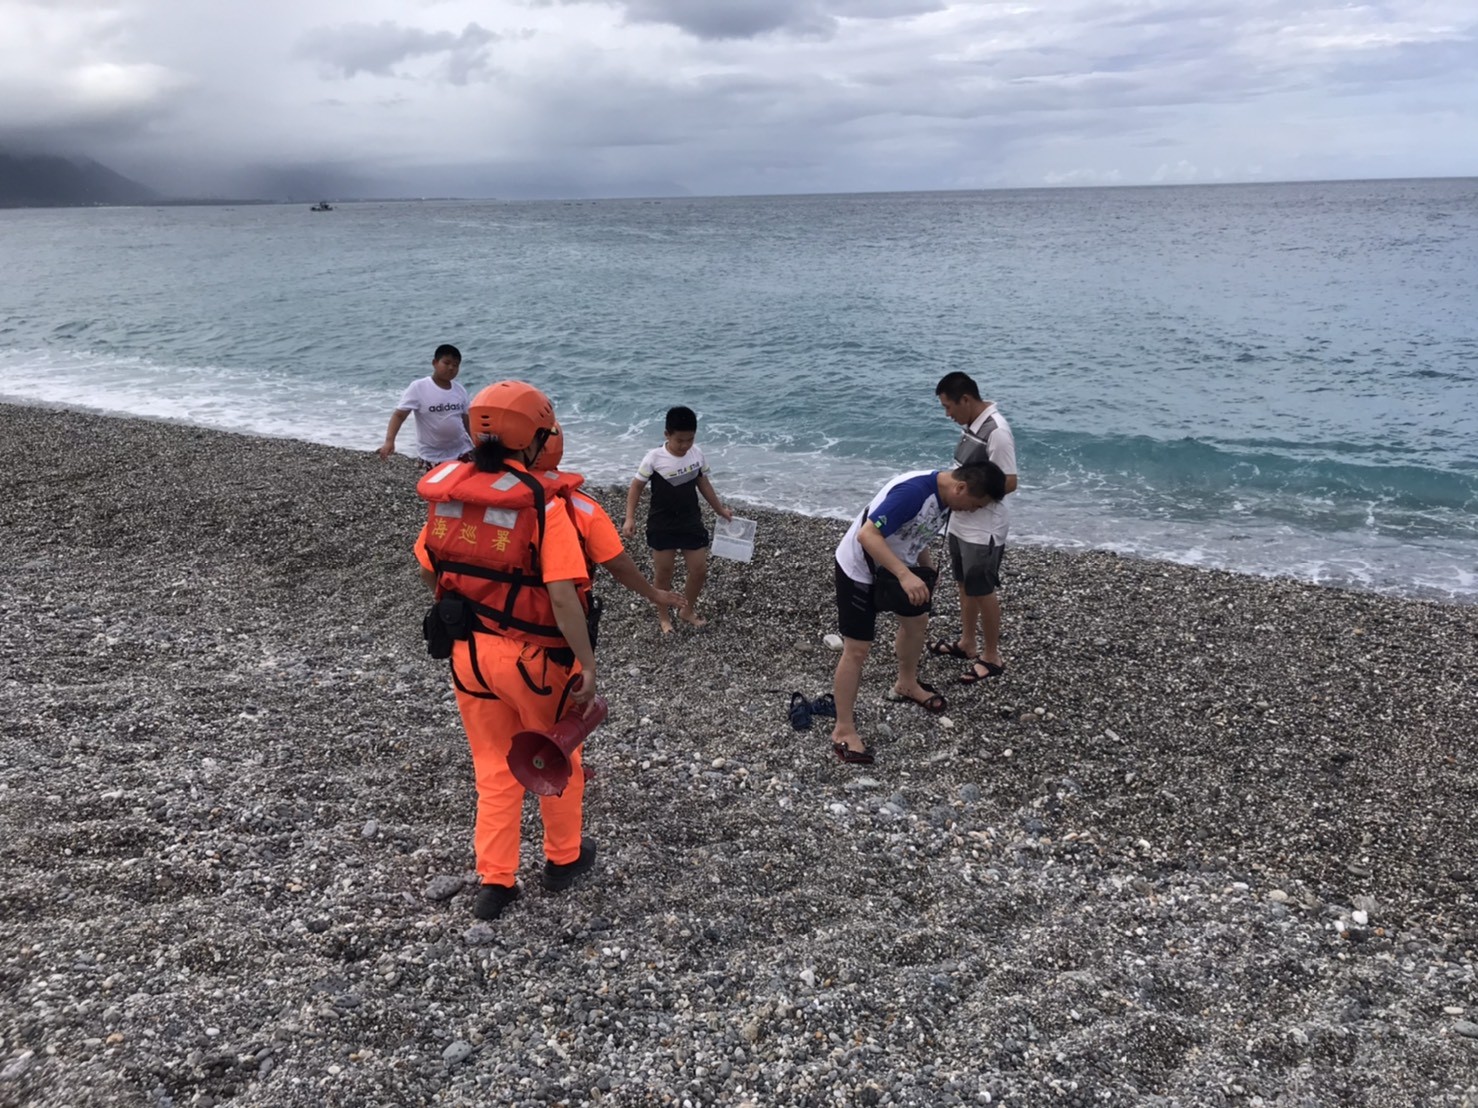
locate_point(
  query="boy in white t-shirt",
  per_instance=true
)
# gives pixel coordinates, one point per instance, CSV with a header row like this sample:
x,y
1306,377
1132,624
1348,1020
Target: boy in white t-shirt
x,y
440,407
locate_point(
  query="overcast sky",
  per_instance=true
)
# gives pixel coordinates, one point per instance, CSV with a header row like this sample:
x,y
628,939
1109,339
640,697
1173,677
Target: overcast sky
x,y
623,97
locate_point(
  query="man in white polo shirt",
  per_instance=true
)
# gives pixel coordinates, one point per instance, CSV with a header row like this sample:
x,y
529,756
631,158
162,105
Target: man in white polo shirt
x,y
977,539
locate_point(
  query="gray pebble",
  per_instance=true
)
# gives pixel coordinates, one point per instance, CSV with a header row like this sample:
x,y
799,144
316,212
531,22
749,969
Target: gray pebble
x,y
1120,948
443,887
18,1067
458,1051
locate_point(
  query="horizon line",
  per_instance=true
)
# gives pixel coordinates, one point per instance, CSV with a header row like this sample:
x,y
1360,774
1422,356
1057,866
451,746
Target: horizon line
x,y
186,201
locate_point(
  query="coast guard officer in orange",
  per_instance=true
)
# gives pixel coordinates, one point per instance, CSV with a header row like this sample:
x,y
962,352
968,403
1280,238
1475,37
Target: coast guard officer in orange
x,y
509,573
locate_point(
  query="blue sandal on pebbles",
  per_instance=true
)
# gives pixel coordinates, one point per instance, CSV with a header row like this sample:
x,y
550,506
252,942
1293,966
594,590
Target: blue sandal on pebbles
x,y
799,711
948,648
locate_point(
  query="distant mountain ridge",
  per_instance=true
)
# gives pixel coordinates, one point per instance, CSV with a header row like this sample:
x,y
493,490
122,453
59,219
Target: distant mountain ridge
x,y
51,181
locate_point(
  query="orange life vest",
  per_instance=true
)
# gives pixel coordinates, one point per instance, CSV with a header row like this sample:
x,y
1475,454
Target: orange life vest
x,y
483,533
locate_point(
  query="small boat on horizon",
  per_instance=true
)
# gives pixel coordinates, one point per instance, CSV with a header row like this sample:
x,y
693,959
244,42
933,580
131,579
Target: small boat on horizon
x,y
322,206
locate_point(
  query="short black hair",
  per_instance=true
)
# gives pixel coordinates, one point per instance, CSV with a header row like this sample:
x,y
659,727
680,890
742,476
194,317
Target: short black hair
x,y
983,479
681,419
957,385
446,350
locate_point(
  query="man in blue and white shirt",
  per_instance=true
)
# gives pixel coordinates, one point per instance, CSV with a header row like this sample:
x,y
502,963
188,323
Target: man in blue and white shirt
x,y
893,535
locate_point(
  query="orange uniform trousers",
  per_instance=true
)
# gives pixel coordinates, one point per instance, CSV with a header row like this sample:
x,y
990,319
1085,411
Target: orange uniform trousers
x,y
529,689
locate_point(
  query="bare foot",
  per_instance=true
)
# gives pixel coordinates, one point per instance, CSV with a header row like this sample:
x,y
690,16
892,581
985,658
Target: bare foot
x,y
692,618
665,624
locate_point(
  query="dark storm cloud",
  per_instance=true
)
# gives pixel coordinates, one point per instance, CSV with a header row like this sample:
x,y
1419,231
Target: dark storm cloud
x,y
377,48
734,19
719,96
745,19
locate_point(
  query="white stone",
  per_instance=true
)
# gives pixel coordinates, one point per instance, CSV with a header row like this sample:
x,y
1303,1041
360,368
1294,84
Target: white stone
x,y
1360,917
833,642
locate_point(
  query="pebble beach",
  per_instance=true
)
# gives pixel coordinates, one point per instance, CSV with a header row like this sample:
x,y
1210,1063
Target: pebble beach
x,y
1209,840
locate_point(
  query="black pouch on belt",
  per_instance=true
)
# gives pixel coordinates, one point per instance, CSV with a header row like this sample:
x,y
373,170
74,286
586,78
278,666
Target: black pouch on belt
x,y
592,619
446,621
564,655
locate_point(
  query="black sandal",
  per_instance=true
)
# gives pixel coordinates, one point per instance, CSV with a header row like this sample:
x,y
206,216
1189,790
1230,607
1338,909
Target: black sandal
x,y
973,676
934,703
852,757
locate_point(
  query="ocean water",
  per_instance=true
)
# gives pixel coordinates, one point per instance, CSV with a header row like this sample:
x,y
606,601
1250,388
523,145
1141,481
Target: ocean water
x,y
1274,379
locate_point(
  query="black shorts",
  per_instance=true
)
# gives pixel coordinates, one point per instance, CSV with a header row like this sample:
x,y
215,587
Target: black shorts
x,y
857,618
977,566
686,539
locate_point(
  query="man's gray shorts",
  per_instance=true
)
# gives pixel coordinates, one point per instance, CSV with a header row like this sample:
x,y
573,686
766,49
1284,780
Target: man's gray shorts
x,y
975,565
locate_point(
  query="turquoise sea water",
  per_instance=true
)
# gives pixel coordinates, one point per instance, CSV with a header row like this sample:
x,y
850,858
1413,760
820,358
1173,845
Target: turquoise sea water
x,y
1268,378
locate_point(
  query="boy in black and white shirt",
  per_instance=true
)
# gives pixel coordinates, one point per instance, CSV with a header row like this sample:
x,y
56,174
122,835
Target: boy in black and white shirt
x,y
677,473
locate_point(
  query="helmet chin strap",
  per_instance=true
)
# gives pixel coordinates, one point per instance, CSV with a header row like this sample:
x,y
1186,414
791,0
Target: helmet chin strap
x,y
536,447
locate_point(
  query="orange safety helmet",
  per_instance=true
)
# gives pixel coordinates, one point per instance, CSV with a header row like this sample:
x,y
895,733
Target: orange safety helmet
x,y
553,452
513,411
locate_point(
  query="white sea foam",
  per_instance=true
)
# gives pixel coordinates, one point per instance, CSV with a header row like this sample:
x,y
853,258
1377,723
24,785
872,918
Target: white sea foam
x,y
818,482
208,396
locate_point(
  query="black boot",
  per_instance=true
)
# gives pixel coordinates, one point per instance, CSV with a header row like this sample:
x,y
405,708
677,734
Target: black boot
x,y
559,878
492,899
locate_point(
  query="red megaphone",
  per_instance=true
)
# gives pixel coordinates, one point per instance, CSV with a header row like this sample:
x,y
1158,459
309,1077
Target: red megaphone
x,y
541,761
